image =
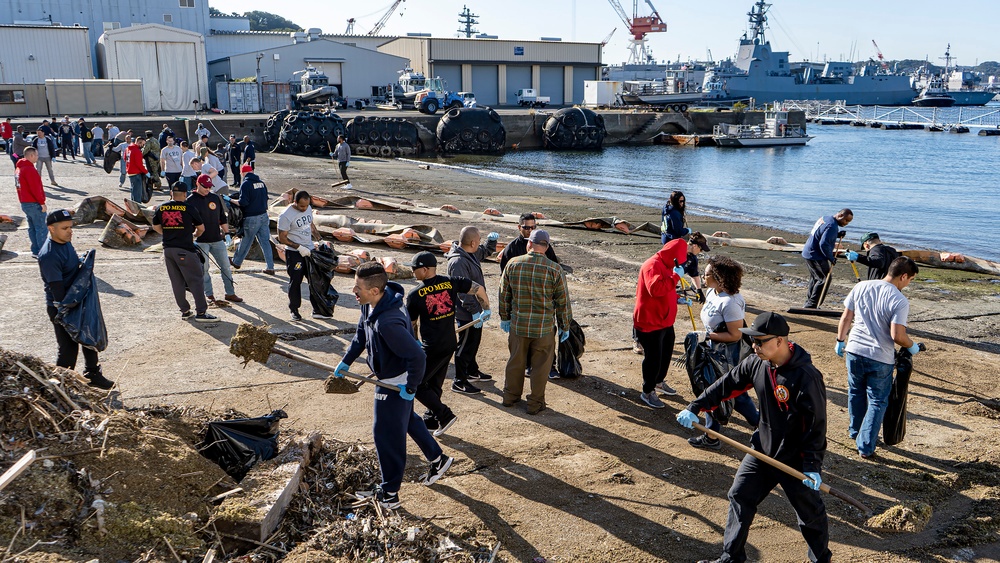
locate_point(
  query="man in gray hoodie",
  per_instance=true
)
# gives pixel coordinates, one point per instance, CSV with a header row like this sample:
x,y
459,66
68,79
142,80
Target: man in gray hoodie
x,y
464,261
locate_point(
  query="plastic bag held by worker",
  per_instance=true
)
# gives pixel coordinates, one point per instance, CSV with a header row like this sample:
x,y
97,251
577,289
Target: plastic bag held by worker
x,y
894,423
322,261
234,217
704,365
570,352
80,311
237,445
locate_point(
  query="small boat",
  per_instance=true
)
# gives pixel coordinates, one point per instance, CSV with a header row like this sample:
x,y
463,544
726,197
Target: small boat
x,y
774,133
934,95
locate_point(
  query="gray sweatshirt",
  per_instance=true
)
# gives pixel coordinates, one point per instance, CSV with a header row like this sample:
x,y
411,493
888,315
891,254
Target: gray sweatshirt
x,y
463,264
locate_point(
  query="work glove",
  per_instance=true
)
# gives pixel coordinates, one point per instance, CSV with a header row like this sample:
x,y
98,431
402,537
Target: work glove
x,y
304,250
563,335
686,232
914,349
505,326
839,348
331,155
841,234
405,393
493,236
341,370
229,240
684,301
163,174
482,317
679,271
226,198
701,296
148,175
813,482
687,418
852,256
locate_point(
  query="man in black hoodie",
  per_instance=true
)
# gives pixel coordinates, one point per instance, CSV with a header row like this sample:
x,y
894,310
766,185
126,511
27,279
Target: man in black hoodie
x,y
519,246
396,358
464,260
792,430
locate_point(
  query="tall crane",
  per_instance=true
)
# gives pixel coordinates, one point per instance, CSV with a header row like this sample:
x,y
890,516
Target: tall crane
x,y
881,59
608,38
350,27
639,26
385,17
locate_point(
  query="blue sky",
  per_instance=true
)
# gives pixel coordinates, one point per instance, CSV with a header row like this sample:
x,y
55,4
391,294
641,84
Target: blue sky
x,y
912,29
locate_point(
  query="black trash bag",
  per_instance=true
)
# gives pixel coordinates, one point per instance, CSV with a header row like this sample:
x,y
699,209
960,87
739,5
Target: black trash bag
x,y
80,310
322,295
570,352
705,364
147,189
234,217
111,158
894,423
237,445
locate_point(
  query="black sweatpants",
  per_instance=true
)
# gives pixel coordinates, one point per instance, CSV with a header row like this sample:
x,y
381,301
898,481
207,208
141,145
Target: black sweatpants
x,y
818,269
468,349
235,167
297,269
343,170
394,421
431,388
69,349
753,483
658,348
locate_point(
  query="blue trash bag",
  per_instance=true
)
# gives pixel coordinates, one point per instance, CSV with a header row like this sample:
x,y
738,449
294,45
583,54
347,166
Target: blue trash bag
x,y
80,311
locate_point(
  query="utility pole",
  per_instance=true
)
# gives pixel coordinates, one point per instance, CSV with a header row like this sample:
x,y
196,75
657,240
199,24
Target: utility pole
x,y
467,19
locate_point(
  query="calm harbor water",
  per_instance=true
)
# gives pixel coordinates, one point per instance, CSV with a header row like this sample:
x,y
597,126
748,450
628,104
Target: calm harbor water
x,y
917,189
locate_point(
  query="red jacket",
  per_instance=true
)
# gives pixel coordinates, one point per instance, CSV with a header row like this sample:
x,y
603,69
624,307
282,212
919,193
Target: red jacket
x,y
136,163
6,131
28,183
656,292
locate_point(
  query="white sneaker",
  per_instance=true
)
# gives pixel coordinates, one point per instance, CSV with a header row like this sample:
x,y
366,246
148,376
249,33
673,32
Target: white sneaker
x,y
348,187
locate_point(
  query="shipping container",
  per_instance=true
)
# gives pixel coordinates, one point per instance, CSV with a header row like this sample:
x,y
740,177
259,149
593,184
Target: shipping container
x,y
277,96
238,97
601,93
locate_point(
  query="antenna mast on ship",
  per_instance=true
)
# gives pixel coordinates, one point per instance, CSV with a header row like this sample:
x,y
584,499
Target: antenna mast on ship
x,y
758,21
947,58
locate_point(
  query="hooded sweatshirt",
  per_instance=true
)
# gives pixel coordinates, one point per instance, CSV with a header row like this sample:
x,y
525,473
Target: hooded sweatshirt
x,y
672,222
385,332
461,264
792,431
253,195
656,290
28,183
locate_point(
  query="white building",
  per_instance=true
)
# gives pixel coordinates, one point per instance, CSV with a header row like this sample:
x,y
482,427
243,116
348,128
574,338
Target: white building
x,y
30,54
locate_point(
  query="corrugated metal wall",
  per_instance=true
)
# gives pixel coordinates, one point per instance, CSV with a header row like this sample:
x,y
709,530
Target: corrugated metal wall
x,y
518,77
486,84
416,50
502,50
552,82
88,97
31,54
581,73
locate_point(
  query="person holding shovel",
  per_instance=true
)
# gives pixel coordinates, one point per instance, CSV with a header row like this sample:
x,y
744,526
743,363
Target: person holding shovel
x,y
432,306
820,254
875,312
792,430
395,357
878,258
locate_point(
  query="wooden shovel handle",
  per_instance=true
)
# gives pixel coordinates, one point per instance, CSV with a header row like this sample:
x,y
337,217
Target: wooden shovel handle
x,y
329,368
783,467
466,326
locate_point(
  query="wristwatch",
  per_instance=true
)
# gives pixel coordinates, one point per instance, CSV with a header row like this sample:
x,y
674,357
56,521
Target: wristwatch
x,y
410,391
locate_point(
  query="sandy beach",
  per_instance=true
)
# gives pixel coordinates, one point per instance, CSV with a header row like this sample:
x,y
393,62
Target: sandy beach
x,y
597,477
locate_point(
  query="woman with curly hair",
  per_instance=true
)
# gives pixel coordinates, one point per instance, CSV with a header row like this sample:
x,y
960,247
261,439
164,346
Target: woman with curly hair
x,y
723,316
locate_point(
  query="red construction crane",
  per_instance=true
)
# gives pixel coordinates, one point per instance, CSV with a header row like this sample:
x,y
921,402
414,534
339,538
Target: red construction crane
x,y
639,26
881,59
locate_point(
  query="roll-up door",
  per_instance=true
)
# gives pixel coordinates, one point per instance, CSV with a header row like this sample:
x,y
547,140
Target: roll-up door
x,y
486,84
518,78
552,81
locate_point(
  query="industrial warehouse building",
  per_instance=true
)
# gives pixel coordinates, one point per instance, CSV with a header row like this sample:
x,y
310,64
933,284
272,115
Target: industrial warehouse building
x,y
495,69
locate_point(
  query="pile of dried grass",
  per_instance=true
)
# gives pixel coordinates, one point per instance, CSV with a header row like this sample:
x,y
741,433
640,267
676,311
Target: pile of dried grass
x,y
252,343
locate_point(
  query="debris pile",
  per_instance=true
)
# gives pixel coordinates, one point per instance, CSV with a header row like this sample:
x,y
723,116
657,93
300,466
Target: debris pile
x,y
908,517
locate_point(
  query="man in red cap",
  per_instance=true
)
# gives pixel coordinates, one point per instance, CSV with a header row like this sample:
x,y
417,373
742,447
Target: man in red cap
x,y
252,199
214,242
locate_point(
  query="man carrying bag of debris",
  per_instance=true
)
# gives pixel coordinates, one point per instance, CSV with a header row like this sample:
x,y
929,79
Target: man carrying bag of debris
x,y
396,358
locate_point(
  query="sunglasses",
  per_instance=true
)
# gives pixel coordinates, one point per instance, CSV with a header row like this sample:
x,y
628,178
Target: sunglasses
x,y
759,342
526,227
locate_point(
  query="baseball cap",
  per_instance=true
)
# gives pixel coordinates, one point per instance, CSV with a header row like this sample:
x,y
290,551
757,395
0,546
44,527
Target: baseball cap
x,y
58,216
539,236
246,168
767,324
869,236
424,260
178,186
205,180
700,240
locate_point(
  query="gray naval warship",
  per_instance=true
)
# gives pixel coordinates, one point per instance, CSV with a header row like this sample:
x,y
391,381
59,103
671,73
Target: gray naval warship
x,y
768,76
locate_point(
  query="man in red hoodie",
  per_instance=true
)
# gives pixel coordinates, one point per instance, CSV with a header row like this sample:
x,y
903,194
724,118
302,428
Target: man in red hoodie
x,y
653,317
32,197
136,168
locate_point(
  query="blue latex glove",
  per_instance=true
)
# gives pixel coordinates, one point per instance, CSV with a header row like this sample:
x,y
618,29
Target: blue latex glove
x,y
482,317
813,481
226,198
684,301
229,240
493,236
839,348
852,256
505,326
163,174
914,349
687,231
687,418
563,335
404,394
331,155
679,271
148,175
341,370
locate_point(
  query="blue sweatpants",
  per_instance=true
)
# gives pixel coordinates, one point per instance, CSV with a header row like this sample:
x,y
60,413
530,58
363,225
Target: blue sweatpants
x,y
394,419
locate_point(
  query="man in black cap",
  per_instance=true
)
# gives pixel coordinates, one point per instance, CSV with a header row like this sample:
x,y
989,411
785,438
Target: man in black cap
x,y
59,264
880,255
431,306
180,223
792,430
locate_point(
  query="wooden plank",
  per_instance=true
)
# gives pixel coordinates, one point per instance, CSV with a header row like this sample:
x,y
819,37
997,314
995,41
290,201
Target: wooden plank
x,y
17,469
275,512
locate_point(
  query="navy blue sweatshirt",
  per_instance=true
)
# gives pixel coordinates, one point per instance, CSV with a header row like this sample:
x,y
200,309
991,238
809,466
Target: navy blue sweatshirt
x,y
822,240
385,332
253,195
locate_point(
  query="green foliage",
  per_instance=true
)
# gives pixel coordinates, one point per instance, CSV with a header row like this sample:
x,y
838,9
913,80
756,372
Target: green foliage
x,y
740,107
266,21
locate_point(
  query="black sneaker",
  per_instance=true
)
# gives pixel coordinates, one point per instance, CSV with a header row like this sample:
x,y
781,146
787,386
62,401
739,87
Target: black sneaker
x,y
705,442
437,469
444,423
321,316
554,375
296,316
206,318
98,380
187,314
385,500
464,387
431,423
479,376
